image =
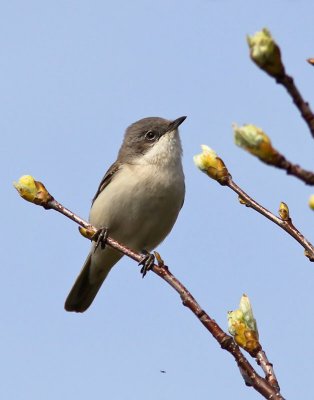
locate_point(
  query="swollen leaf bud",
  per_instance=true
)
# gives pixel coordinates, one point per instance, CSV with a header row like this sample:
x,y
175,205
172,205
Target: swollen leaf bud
x,y
243,201
213,166
26,187
284,211
88,233
265,52
311,201
32,191
255,141
242,326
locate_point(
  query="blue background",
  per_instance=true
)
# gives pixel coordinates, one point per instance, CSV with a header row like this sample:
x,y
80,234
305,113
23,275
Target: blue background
x,y
74,75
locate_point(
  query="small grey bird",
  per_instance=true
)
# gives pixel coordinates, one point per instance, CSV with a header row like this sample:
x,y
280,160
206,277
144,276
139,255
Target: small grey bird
x,y
138,201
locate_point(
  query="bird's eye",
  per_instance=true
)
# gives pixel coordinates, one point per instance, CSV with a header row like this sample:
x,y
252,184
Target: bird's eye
x,y
150,135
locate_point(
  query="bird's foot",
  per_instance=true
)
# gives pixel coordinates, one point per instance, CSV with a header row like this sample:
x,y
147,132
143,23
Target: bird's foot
x,y
100,238
147,262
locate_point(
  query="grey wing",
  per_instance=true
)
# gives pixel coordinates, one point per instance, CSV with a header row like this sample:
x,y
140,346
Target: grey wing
x,y
107,178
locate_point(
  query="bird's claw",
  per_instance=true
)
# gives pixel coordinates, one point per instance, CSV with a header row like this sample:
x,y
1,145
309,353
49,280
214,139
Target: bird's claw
x,y
100,238
147,263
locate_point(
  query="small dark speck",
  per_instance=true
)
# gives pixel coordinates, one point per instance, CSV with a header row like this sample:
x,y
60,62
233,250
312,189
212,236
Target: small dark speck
x,y
162,371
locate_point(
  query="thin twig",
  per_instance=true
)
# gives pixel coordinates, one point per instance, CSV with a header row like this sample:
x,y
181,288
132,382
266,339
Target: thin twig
x,y
286,225
303,106
267,367
55,205
279,161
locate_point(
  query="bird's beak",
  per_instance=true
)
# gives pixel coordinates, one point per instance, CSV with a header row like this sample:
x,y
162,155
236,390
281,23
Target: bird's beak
x,y
176,123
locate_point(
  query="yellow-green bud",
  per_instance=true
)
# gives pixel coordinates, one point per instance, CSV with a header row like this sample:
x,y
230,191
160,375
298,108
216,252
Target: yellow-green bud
x,y
32,191
242,326
265,52
255,141
284,211
311,201
213,166
243,201
26,187
88,233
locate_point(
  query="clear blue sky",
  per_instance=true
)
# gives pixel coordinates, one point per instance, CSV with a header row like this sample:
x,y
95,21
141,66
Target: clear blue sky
x,y
74,75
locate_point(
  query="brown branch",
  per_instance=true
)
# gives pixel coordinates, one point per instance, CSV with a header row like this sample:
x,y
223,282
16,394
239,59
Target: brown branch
x,y
251,377
267,367
279,161
286,225
262,385
303,106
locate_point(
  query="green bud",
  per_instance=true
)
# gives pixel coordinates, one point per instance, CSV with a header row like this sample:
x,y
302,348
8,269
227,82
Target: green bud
x,y
265,52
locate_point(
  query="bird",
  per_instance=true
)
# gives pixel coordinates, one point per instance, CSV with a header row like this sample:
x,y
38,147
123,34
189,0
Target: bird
x,y
137,201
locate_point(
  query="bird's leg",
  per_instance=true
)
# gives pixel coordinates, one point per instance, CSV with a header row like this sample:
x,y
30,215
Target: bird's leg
x,y
100,238
147,262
